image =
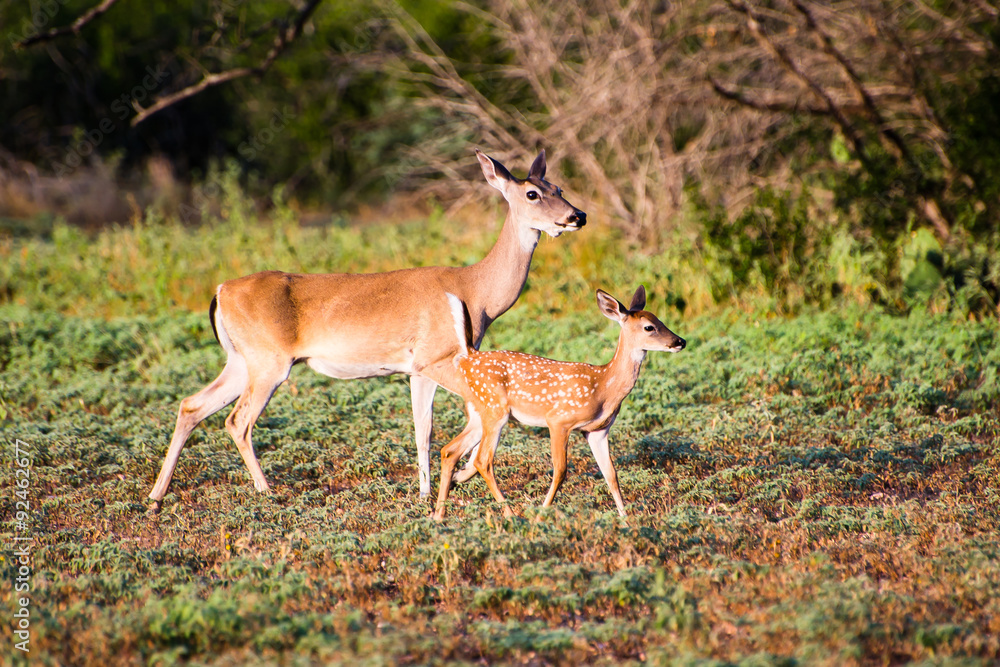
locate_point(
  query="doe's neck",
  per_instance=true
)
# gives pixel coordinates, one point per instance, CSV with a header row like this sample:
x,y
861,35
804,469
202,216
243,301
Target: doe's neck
x,y
500,276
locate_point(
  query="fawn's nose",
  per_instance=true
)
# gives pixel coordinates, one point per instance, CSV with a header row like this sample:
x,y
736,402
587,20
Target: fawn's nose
x,y
578,218
681,344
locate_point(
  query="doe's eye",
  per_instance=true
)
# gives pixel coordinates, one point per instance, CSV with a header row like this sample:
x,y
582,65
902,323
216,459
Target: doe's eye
x,y
532,195
649,327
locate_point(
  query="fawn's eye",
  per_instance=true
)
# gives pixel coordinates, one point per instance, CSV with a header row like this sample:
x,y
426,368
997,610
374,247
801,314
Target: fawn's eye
x,y
532,195
649,327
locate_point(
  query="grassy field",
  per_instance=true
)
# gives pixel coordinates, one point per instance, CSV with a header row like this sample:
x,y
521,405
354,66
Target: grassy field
x,y
811,489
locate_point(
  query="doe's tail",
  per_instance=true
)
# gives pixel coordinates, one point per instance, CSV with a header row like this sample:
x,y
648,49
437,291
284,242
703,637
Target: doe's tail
x,y
219,325
463,326
211,316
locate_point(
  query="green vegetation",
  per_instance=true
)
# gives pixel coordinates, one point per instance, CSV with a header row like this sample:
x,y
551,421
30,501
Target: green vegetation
x,y
811,488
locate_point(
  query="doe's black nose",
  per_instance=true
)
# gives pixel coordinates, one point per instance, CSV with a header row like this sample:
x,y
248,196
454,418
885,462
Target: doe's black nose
x,y
579,218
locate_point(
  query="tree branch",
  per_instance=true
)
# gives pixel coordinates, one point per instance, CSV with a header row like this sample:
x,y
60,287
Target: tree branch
x,y
891,140
285,37
895,142
782,56
72,29
774,105
208,81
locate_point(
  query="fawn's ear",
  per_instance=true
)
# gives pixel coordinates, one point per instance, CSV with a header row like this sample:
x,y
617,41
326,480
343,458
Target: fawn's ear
x,y
538,167
638,300
611,308
496,174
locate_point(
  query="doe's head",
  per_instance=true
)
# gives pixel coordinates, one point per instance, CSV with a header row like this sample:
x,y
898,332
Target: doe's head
x,y
535,202
643,329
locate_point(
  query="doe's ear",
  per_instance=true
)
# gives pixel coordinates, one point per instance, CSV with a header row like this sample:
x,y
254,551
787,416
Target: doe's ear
x,y
496,174
611,308
638,299
538,167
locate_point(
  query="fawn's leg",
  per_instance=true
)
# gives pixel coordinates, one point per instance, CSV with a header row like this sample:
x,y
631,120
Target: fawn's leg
x,y
598,441
452,452
559,435
484,458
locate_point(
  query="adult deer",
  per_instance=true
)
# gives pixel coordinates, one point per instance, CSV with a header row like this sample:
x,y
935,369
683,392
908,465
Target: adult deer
x,y
366,325
564,396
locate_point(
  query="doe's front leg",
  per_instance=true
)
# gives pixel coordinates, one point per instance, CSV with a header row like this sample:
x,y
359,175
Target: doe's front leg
x,y
422,399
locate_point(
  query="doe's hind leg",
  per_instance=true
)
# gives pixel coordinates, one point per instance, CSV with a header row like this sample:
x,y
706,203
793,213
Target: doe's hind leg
x,y
248,408
193,410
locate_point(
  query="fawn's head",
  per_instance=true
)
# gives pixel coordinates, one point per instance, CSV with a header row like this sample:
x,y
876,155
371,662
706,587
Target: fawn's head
x,y
534,202
642,328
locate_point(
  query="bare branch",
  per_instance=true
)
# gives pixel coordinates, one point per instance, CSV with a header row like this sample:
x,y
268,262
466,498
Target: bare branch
x,y
959,32
208,81
285,37
773,105
894,140
782,56
986,8
72,29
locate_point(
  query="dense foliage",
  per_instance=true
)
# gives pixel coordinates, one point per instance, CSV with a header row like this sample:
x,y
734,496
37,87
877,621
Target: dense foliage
x,y
806,150
324,120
